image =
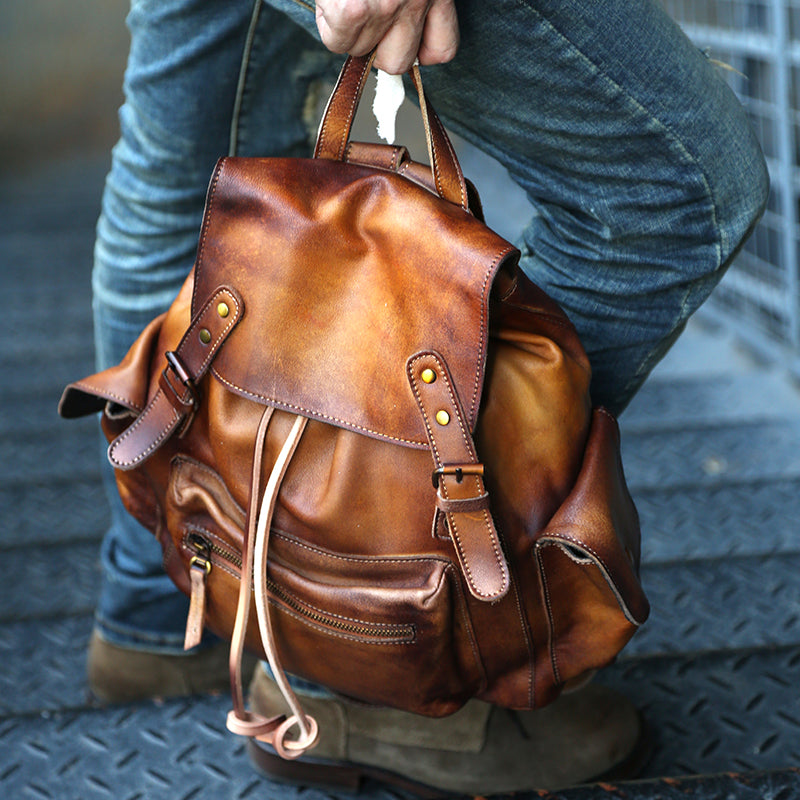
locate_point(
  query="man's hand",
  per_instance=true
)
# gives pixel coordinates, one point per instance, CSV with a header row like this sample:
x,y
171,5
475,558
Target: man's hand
x,y
402,30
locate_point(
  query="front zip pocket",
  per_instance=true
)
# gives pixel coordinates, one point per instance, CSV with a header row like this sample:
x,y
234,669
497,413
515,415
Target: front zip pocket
x,y
208,553
368,626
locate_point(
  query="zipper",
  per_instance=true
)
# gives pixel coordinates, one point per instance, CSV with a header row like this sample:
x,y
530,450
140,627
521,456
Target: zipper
x,y
204,550
373,630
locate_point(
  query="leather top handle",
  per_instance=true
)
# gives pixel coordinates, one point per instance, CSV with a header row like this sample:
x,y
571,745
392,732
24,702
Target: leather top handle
x,y
337,121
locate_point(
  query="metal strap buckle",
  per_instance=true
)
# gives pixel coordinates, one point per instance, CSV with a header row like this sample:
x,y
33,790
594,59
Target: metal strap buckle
x,y
459,470
176,367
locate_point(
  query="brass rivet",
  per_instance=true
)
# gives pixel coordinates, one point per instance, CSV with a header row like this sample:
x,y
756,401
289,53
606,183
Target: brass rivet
x,y
223,310
442,417
428,376
205,335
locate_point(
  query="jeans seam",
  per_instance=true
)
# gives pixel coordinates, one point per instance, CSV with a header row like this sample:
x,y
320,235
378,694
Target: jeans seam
x,y
241,86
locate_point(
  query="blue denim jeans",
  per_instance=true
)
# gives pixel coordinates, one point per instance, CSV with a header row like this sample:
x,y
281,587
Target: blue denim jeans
x,y
640,164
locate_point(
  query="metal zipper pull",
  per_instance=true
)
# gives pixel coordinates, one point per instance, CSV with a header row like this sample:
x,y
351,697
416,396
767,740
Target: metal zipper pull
x,y
199,569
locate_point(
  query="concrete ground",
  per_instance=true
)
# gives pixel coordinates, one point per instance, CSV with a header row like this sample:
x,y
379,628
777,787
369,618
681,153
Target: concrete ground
x,y
711,450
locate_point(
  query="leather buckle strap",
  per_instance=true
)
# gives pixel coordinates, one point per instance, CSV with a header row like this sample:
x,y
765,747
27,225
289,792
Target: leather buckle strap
x,y
175,402
461,505
458,470
186,400
458,479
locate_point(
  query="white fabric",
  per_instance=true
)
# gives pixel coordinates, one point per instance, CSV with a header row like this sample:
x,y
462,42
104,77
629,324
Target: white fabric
x,y
389,94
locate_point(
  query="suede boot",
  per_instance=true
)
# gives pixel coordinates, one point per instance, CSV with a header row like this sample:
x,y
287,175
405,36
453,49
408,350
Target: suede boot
x,y
126,675
587,735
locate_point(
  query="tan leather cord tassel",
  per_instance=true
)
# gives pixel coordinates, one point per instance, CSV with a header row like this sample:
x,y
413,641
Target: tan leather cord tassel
x,y
240,720
309,731
273,731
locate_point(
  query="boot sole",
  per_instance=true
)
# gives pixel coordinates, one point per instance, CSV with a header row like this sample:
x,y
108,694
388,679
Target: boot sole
x,y
333,774
349,776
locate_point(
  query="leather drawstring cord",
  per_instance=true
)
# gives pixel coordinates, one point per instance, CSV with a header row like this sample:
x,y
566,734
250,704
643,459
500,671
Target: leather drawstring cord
x,y
309,731
240,720
273,730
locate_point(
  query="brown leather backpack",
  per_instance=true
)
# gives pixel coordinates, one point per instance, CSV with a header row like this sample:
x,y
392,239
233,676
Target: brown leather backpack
x,y
360,403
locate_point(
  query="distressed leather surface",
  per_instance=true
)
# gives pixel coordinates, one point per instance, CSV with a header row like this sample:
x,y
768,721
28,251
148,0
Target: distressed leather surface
x,y
354,273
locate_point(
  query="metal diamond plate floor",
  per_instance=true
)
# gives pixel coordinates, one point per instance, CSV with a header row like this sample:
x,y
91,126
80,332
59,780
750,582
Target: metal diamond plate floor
x,y
712,453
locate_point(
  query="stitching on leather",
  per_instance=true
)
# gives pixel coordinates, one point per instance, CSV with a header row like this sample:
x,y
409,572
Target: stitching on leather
x,y
354,104
527,636
89,389
437,455
421,404
551,620
358,559
604,569
388,626
324,132
403,170
579,543
456,536
484,325
467,620
223,332
176,416
449,144
454,403
313,414
185,461
212,196
324,129
360,639
435,157
478,483
154,445
190,528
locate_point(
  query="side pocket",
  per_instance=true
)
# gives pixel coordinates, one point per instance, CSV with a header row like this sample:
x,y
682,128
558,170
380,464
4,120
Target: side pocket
x,y
389,631
588,560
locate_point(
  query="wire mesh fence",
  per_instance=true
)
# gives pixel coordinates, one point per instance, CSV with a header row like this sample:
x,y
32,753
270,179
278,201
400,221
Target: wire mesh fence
x,y
760,41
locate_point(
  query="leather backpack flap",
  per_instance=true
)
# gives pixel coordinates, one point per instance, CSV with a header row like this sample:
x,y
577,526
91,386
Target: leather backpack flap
x,y
125,389
346,272
119,389
122,393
